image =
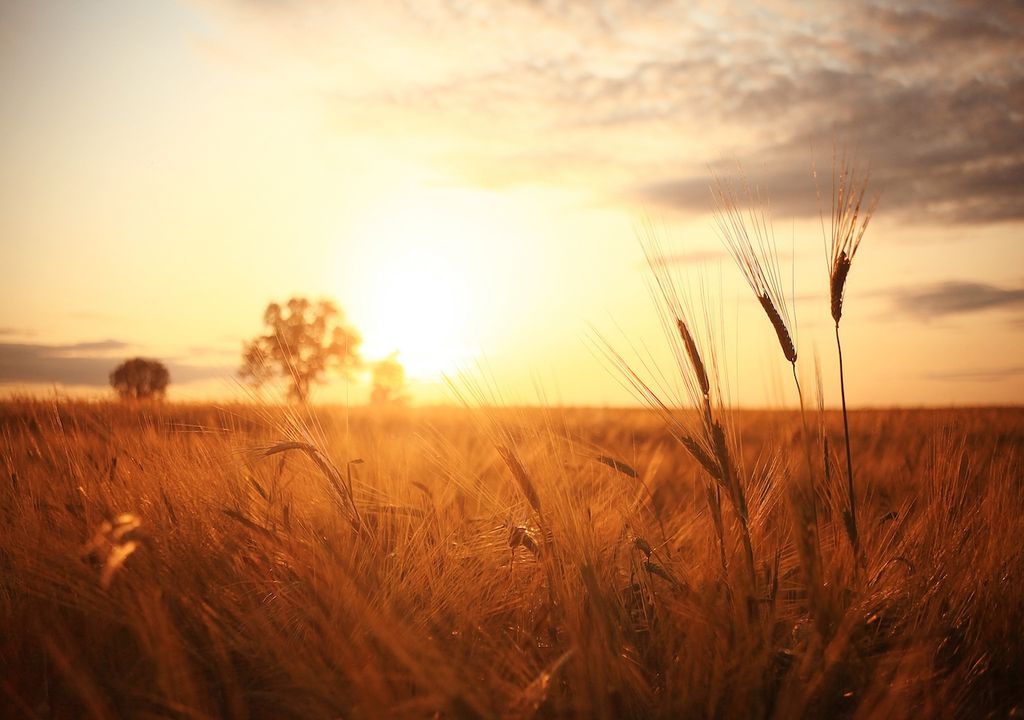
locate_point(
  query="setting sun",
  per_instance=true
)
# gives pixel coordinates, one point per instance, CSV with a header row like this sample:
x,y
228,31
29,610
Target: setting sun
x,y
420,310
420,247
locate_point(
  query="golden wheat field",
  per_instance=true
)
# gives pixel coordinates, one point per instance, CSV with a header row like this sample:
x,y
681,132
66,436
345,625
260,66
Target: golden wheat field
x,y
199,562
511,360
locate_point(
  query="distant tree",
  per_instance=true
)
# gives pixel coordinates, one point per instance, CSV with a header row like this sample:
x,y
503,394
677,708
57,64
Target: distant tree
x,y
303,341
140,378
388,382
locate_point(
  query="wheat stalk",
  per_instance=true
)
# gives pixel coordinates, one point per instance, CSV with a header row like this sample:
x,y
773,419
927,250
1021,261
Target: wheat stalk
x,y
518,470
850,218
707,443
745,228
747,234
344,495
695,360
785,339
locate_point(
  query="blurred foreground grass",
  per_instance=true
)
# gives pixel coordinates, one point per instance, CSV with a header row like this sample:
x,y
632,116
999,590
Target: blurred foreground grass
x,y
155,561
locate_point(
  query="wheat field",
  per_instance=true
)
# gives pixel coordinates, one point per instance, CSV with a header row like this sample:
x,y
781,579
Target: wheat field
x,y
511,360
200,562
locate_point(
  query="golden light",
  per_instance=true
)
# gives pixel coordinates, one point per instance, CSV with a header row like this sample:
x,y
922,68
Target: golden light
x,y
414,272
419,310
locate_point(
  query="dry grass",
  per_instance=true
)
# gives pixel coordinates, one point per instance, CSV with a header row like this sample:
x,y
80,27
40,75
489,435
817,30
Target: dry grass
x,y
251,593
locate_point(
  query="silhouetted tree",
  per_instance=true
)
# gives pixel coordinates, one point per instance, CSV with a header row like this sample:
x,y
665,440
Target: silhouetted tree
x,y
304,339
388,382
140,378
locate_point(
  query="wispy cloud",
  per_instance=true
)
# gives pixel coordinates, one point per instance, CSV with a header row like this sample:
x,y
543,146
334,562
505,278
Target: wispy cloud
x,y
84,363
636,99
93,346
956,297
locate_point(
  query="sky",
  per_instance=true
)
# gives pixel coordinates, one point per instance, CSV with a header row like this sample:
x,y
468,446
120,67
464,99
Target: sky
x,y
468,181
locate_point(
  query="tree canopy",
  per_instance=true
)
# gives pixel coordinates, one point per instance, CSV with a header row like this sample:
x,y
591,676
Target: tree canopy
x,y
303,340
140,378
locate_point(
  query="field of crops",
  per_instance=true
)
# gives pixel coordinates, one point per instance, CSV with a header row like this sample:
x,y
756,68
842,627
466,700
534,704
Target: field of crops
x,y
199,562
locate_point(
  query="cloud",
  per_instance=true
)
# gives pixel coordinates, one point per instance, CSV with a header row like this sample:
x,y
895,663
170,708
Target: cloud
x,y
81,364
979,374
89,347
956,297
636,99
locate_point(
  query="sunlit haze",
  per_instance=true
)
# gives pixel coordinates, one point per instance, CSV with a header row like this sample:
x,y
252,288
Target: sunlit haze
x,y
467,181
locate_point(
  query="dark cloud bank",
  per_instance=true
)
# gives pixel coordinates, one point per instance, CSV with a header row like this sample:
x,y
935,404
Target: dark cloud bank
x,y
932,99
955,298
86,363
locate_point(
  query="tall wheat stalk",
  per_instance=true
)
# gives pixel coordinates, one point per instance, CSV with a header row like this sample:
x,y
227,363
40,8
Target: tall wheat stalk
x,y
850,218
745,228
705,437
710,443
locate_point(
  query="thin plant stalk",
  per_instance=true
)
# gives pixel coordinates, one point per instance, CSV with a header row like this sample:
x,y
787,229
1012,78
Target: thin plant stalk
x,y
747,234
850,218
706,440
851,524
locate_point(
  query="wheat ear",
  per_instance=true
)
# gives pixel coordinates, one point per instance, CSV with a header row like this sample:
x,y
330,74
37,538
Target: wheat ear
x,y
850,218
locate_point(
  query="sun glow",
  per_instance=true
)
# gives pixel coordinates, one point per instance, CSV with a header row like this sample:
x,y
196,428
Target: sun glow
x,y
417,278
418,308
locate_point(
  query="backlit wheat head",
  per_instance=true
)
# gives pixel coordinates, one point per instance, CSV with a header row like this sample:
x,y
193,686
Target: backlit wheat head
x,y
744,224
850,218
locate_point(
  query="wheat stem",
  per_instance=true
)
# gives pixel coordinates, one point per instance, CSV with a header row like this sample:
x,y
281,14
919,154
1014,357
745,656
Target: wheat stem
x,y
851,526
